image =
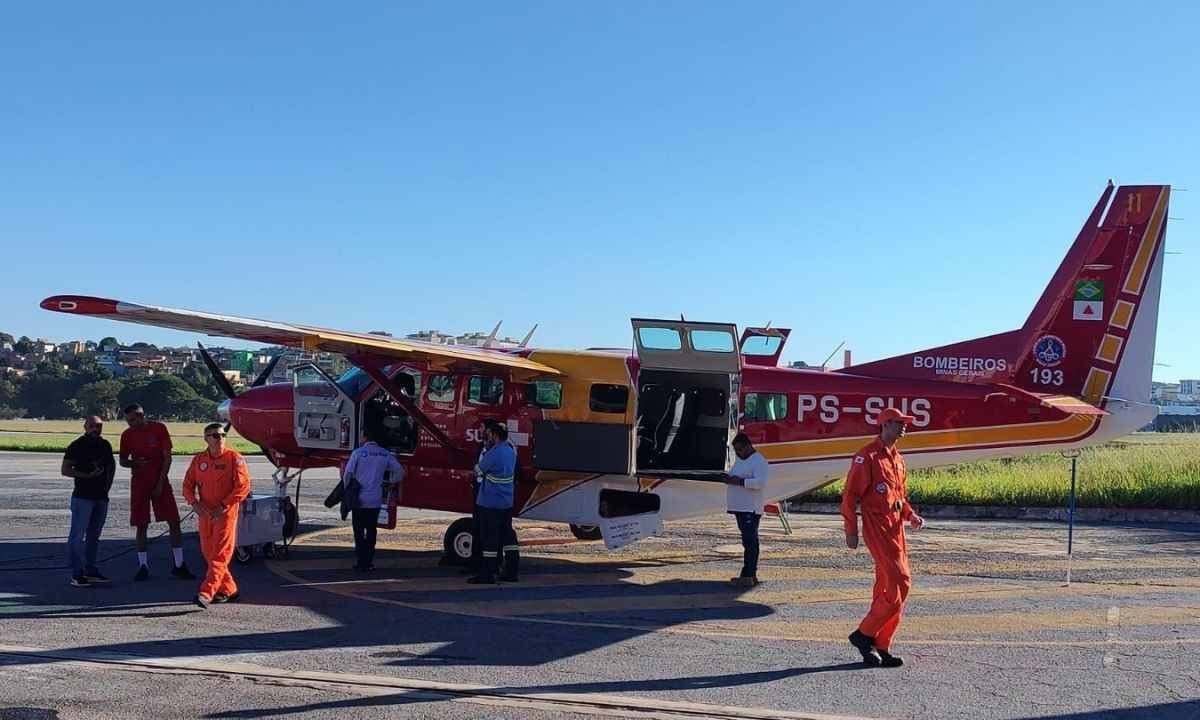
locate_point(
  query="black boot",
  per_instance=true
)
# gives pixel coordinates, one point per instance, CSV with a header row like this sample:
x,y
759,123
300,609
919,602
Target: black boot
x,y
508,571
889,660
487,573
865,645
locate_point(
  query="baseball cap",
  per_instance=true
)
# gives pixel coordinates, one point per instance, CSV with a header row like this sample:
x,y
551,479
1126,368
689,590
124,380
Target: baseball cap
x,y
893,414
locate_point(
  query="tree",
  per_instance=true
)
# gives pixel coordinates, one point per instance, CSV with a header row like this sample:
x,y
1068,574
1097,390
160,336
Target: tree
x,y
24,345
109,342
166,396
202,382
49,392
101,397
6,338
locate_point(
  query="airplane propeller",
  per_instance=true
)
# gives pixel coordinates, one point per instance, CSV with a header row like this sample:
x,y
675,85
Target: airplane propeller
x,y
227,387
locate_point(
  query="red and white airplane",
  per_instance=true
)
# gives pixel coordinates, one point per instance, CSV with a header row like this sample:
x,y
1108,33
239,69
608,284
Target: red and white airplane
x,y
604,435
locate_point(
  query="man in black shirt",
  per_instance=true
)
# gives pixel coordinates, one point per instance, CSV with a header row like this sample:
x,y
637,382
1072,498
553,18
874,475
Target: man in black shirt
x,y
89,460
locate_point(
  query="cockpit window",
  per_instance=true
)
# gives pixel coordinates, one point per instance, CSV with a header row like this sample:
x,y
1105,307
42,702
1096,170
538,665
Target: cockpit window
x,y
355,380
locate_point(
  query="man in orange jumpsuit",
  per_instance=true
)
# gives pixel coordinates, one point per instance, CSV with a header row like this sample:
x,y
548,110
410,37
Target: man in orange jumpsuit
x,y
215,485
879,483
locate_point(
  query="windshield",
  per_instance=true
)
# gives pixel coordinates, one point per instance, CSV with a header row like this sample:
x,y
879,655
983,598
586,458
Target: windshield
x,y
354,381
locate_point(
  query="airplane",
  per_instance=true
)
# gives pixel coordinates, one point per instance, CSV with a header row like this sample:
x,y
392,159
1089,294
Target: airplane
x,y
605,437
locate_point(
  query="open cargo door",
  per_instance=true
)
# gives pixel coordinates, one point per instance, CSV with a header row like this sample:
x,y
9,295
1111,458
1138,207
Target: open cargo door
x,y
687,390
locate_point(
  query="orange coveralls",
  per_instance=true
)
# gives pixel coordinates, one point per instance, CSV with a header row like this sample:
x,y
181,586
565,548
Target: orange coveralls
x,y
879,482
223,480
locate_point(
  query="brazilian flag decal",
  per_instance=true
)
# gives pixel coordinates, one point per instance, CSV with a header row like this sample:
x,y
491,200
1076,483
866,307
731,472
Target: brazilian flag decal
x,y
1089,290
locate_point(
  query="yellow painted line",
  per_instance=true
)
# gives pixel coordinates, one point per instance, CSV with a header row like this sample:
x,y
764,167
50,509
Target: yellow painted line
x,y
1096,386
833,631
789,634
1141,261
1122,314
1110,348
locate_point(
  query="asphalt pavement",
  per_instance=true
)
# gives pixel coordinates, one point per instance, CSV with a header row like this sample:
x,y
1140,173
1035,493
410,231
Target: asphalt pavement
x,y
651,631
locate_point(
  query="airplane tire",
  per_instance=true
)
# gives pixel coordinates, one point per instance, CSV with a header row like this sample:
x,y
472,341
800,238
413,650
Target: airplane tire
x,y
242,554
586,532
456,545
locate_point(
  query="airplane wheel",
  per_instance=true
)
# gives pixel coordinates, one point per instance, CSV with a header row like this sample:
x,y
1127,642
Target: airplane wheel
x,y
457,543
268,550
586,532
242,554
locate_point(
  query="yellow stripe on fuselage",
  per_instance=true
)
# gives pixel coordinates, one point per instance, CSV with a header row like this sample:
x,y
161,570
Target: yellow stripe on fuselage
x,y
1068,429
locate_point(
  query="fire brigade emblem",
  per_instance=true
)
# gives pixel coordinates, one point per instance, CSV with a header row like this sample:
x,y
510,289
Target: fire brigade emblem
x,y
203,466
881,488
1049,351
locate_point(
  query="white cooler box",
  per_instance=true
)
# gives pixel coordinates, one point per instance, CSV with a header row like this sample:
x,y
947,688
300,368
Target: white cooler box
x,y
263,519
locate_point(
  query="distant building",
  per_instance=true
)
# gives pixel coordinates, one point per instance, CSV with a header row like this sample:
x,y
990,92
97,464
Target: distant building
x,y
432,336
1189,387
242,361
73,348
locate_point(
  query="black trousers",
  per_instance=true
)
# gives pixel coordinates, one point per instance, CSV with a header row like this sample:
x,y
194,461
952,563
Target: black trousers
x,y
748,525
493,524
365,521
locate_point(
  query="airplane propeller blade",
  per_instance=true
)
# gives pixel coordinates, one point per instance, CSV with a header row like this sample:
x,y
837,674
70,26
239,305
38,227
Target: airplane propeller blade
x,y
266,373
218,376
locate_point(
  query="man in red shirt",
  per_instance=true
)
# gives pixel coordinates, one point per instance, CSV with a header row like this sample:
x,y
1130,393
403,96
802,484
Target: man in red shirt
x,y
878,481
215,485
146,449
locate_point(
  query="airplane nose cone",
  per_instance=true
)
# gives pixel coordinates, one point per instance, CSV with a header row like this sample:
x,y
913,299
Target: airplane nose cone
x,y
223,410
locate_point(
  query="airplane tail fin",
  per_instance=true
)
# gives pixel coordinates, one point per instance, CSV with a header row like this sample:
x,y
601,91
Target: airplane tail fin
x,y
1092,332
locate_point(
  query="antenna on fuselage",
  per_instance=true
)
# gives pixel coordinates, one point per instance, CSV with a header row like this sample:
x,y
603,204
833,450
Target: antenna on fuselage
x,y
492,338
528,336
825,365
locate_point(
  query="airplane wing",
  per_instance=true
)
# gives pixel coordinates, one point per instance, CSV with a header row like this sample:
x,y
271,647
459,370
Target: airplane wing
x,y
303,337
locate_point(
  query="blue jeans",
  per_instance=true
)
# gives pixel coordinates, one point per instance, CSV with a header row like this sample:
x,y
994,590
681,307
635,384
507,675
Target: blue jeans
x,y
748,525
83,542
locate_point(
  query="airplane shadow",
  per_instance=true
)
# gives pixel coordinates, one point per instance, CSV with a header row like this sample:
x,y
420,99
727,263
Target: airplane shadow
x,y
34,593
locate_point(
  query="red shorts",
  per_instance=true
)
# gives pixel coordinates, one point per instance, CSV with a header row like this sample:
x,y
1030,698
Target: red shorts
x,y
165,509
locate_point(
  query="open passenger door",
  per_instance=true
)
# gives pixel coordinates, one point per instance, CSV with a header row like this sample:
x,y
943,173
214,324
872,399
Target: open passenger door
x,y
687,394
324,416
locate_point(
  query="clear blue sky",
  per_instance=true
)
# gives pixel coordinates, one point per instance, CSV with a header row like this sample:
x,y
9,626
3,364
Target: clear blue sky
x,y
897,176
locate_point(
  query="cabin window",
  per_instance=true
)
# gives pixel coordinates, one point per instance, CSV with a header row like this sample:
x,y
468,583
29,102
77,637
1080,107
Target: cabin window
x,y
714,341
606,398
764,407
545,394
441,389
762,345
485,390
659,338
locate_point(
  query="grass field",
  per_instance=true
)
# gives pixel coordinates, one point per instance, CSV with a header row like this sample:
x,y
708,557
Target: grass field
x,y
55,435
1145,470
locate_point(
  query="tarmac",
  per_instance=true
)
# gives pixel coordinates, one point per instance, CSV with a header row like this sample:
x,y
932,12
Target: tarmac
x,y
649,631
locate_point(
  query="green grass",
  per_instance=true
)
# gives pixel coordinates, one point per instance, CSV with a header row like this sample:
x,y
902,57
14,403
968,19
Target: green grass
x,y
1146,470
55,435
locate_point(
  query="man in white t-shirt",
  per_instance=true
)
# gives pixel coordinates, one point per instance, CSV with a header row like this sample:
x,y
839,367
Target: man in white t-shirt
x,y
744,499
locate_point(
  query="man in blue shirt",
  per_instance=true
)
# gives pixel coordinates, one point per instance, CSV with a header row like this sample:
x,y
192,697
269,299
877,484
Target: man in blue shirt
x,y
496,470
369,465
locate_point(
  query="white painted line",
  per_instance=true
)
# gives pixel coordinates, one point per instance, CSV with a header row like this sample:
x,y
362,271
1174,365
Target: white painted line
x,y
621,706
